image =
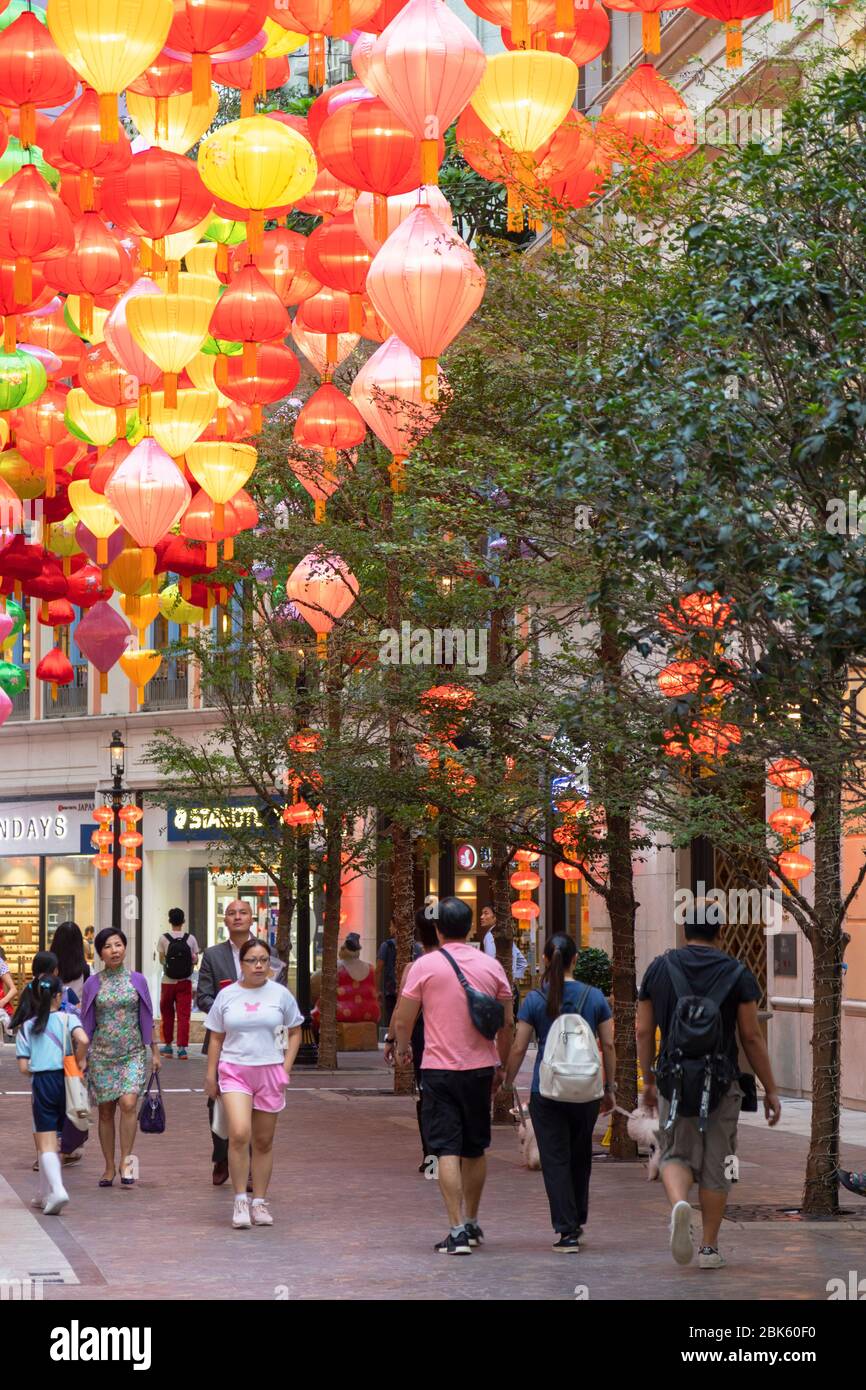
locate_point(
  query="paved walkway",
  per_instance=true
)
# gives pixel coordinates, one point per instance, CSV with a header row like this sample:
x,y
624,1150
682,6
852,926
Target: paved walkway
x,y
355,1220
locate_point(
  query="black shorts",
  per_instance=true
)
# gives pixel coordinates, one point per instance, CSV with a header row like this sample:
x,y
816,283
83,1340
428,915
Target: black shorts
x,y
455,1111
49,1101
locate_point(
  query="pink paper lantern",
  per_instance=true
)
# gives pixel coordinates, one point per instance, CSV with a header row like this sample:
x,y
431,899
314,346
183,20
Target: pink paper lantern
x,y
322,588
102,636
120,342
425,66
88,543
5,707
426,284
148,493
387,392
398,208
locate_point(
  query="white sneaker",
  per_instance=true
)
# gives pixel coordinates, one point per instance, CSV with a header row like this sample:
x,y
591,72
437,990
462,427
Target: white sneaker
x,y
261,1215
709,1258
55,1202
241,1214
682,1245
38,1200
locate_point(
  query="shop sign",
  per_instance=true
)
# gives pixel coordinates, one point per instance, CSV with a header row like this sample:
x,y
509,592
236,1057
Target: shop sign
x,y
470,859
203,822
42,827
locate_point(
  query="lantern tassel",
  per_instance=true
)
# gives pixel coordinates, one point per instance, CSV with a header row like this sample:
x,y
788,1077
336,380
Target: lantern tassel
x,y
256,422
255,230
22,282
380,217
120,421
221,369
185,587
85,314
219,516
734,43
222,259
557,238
397,470
54,690
651,31
27,123
169,388
250,359
429,161
103,682
782,11
173,268
259,83
210,554
201,79
331,348
222,421
102,550
520,23
248,102
316,75
10,333
144,403
108,117
229,548
429,379
356,313
85,190
319,506
50,480
565,14
539,41
341,22
514,219
322,646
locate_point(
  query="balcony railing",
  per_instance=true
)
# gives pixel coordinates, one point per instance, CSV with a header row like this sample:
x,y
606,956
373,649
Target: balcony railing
x,y
71,699
167,691
20,705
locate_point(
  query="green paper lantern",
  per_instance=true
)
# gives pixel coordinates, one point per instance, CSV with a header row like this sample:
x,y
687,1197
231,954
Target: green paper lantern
x,y
22,379
14,157
13,679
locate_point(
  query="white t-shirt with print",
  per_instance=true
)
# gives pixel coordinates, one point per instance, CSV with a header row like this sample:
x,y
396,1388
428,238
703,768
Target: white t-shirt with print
x,y
251,1020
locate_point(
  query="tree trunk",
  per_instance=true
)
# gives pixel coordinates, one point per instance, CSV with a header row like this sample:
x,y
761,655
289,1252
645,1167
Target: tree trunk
x,y
285,896
403,915
503,939
621,908
330,945
821,1191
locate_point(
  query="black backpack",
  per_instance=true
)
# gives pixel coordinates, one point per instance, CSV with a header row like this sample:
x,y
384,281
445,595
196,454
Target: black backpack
x,y
694,1068
178,958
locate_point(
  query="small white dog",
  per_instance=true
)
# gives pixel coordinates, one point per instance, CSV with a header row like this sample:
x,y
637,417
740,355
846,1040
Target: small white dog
x,y
642,1127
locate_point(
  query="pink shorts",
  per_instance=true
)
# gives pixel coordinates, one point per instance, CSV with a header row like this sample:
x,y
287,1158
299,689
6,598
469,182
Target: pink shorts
x,y
266,1084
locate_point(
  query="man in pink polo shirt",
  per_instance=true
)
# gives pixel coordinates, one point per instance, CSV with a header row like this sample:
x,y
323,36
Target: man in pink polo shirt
x,y
459,1068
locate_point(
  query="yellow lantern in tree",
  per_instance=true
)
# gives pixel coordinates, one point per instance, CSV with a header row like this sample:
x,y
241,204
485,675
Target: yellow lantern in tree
x,y
174,123
131,572
109,43
97,514
523,96
221,469
176,429
27,480
140,667
257,163
141,609
60,539
176,609
97,422
170,328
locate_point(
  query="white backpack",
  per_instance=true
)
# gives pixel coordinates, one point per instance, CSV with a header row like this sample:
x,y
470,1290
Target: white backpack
x,y
571,1066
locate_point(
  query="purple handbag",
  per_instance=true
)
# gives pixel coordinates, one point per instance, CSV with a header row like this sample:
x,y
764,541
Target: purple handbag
x,y
151,1116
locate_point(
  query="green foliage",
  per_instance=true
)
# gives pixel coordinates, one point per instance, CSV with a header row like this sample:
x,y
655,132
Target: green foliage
x,y
592,967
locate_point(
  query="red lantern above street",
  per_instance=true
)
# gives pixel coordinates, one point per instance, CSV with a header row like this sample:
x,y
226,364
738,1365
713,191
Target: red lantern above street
x,y
788,773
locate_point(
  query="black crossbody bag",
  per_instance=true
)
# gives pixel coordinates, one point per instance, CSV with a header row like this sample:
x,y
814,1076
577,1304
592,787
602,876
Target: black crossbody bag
x,y
487,1014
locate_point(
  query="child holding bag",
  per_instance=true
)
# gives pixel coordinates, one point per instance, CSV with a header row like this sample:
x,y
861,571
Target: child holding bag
x,y
41,1044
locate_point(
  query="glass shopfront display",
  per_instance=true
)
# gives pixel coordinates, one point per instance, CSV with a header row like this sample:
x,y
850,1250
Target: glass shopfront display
x,y
19,913
69,892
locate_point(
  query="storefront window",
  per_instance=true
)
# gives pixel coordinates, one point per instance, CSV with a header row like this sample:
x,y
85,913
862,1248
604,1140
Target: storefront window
x,y
19,913
68,892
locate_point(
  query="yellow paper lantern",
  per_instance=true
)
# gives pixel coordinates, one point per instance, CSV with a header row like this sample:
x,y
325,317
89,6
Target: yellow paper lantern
x,y
177,609
141,609
98,422
221,469
177,428
60,537
27,480
140,667
4,432
257,163
171,329
523,96
174,123
131,571
201,259
281,41
98,316
97,514
173,249
109,43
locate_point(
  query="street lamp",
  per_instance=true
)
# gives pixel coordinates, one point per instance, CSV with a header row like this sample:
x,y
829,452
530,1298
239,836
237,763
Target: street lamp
x,y
117,757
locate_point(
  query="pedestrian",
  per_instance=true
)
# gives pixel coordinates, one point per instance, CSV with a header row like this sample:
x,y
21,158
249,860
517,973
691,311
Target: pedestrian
x,y
254,1036
700,998
68,947
563,1128
8,987
117,1015
178,951
461,1064
386,974
69,1138
88,945
41,1043
220,966
427,940
519,963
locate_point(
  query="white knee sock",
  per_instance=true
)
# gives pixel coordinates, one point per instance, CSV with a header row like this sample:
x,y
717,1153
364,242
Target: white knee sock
x,y
50,1166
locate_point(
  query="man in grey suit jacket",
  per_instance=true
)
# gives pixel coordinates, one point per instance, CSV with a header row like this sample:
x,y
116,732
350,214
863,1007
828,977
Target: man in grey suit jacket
x,y
219,963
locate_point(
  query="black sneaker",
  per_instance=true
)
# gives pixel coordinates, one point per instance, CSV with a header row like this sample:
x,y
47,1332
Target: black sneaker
x,y
570,1243
454,1245
474,1232
854,1182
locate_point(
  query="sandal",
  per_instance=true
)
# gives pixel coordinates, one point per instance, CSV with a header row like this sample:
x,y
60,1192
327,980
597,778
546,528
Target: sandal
x,y
127,1171
106,1182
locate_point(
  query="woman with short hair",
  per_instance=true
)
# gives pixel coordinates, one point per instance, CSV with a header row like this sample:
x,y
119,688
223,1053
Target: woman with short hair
x,y
117,1015
255,1033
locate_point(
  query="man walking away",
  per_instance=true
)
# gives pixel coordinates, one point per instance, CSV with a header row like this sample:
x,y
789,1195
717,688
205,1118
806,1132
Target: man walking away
x,y
700,998
178,952
460,1067
519,963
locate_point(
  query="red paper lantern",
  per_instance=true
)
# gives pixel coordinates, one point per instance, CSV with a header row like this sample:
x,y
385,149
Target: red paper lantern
x,y
166,77
795,865
75,143
583,39
240,75
34,226
646,120
367,147
789,773
282,263
329,421
33,72
96,266
790,820
568,152
157,195
693,612
686,677
731,13
277,371
649,11
338,257
200,31
249,312
344,93
525,911
56,668
50,331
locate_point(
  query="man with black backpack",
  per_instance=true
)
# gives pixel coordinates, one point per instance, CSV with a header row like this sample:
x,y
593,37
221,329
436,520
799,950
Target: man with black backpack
x,y
178,952
701,999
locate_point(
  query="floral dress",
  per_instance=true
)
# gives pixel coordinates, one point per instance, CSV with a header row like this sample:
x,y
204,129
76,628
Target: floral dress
x,y
117,1059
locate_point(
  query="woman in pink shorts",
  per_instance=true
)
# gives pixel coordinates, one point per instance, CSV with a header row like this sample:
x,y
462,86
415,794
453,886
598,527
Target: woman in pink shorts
x,y
255,1033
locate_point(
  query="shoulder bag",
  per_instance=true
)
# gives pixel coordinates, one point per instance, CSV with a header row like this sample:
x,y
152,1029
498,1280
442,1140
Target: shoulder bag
x,y
151,1116
487,1014
77,1101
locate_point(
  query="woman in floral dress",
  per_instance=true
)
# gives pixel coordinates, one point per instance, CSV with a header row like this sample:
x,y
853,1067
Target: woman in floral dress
x,y
119,1013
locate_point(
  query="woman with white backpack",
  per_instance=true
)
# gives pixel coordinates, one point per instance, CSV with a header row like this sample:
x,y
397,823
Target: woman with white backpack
x,y
568,1089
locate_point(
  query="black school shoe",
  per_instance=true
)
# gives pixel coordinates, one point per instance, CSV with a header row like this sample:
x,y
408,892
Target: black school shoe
x,y
474,1232
570,1244
455,1245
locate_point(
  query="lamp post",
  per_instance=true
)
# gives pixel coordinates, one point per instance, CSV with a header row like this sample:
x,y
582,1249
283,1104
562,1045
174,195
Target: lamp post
x,y
117,755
